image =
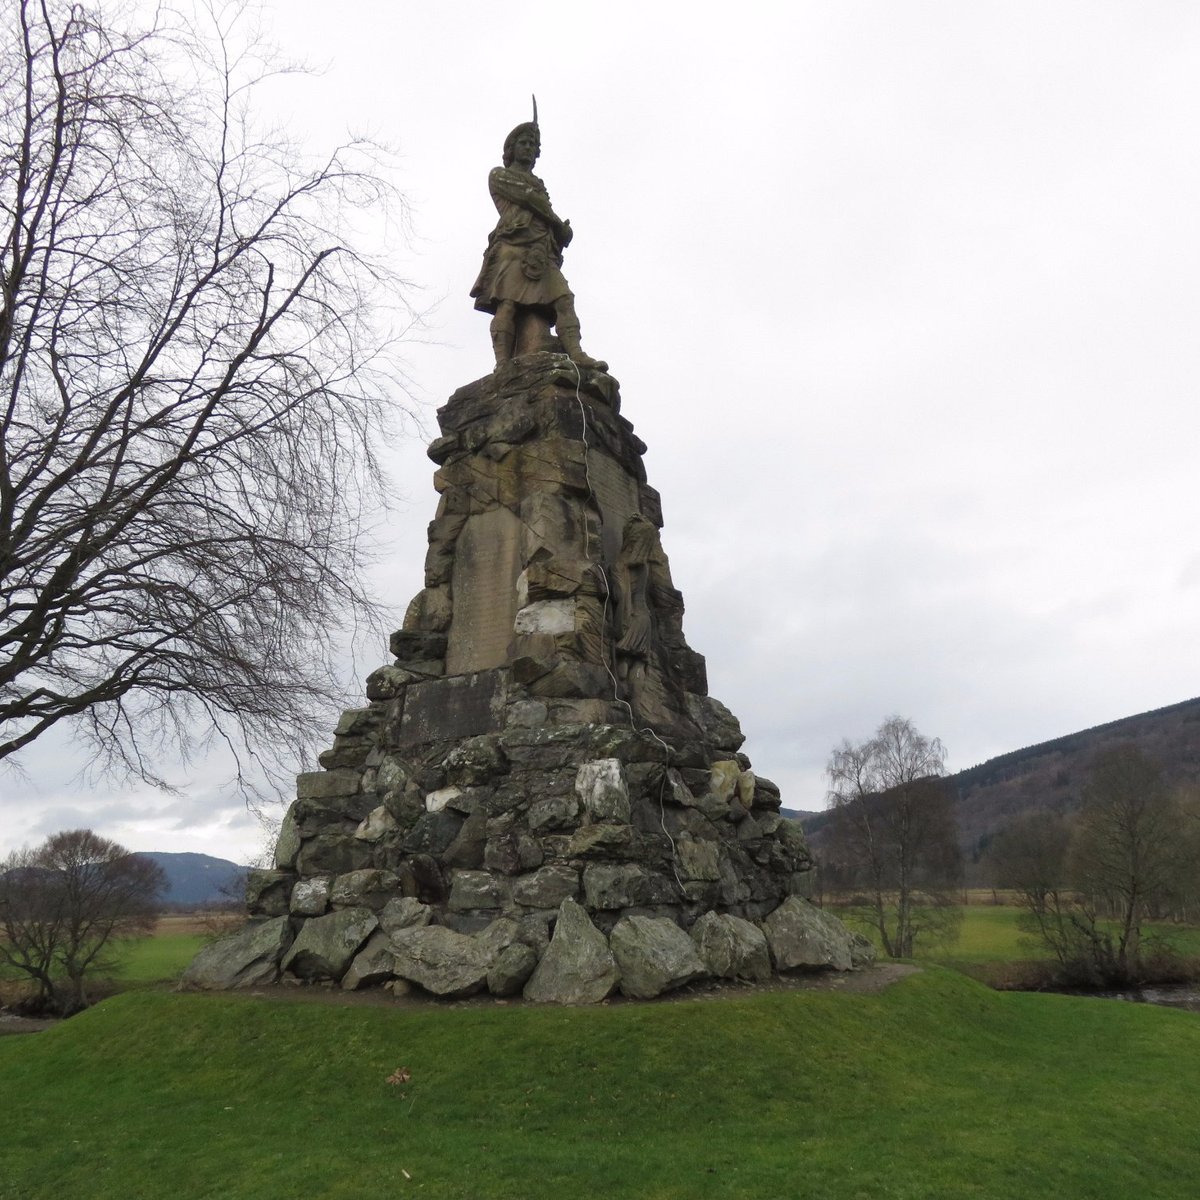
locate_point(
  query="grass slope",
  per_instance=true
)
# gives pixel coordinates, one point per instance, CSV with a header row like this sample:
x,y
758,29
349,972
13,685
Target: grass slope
x,y
935,1088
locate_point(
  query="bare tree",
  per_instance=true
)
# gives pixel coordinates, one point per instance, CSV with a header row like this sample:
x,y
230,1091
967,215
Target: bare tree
x,y
1088,884
1130,849
64,903
1030,857
195,371
893,836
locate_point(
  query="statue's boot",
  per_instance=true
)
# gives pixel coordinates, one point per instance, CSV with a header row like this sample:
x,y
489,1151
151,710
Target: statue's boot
x,y
569,334
503,341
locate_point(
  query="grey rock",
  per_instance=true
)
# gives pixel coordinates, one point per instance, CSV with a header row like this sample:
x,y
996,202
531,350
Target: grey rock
x,y
731,947
578,967
654,956
554,812
372,965
512,969
625,885
443,962
310,897
324,948
474,889
802,935
862,952
547,887
287,845
467,848
376,824
433,833
720,726
368,888
404,912
512,853
323,785
245,959
698,859
268,892
602,789
527,714
332,854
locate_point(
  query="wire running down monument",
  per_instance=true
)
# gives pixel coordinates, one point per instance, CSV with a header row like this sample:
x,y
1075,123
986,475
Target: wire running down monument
x,y
540,795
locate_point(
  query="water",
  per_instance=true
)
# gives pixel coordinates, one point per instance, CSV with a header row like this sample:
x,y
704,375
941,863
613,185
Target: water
x,y
1170,995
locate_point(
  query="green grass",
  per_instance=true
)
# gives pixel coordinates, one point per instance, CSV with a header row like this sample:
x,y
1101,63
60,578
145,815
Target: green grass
x,y
935,1088
156,959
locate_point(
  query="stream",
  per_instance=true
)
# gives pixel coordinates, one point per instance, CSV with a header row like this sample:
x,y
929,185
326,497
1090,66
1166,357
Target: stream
x,y
1170,995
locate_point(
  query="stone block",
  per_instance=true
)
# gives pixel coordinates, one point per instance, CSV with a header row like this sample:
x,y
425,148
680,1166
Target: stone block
x,y
442,961
468,846
332,854
327,785
310,897
720,726
376,824
453,708
430,611
577,967
366,888
287,844
603,791
801,935
698,859
549,617
325,946
268,892
372,965
512,969
654,956
415,645
547,887
731,947
625,885
474,889
248,958
404,912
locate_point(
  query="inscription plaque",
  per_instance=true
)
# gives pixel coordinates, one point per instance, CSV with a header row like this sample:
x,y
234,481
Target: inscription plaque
x,y
487,561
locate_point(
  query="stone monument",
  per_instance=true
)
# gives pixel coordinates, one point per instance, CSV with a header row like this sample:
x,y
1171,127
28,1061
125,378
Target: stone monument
x,y
540,795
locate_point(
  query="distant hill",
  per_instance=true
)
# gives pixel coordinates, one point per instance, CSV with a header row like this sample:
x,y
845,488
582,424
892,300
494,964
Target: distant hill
x,y
1051,774
196,879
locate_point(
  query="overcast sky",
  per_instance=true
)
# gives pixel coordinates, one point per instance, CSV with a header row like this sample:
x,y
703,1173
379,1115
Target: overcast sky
x,y
905,300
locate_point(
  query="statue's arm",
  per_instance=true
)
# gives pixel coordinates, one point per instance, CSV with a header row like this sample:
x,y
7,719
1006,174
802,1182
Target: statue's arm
x,y
507,185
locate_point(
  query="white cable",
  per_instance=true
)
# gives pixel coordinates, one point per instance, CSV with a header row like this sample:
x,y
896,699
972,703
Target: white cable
x,y
617,698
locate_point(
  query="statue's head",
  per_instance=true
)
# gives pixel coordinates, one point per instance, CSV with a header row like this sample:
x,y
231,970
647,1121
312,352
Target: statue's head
x,y
510,142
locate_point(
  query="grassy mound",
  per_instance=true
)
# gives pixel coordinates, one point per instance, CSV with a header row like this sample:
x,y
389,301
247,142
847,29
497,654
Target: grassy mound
x,y
937,1087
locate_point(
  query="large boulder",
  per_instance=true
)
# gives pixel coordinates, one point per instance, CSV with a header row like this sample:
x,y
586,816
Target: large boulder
x,y
802,935
442,961
512,969
654,956
404,912
578,967
373,964
732,948
247,958
324,948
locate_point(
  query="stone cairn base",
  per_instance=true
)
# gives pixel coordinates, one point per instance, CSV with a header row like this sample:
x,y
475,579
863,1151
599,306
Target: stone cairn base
x,y
540,796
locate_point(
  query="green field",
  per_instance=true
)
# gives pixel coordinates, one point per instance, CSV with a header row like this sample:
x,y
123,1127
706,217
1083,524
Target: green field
x,y
155,959
937,1087
989,934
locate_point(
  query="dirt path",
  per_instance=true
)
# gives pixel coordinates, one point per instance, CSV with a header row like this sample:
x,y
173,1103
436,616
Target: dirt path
x,y
865,982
